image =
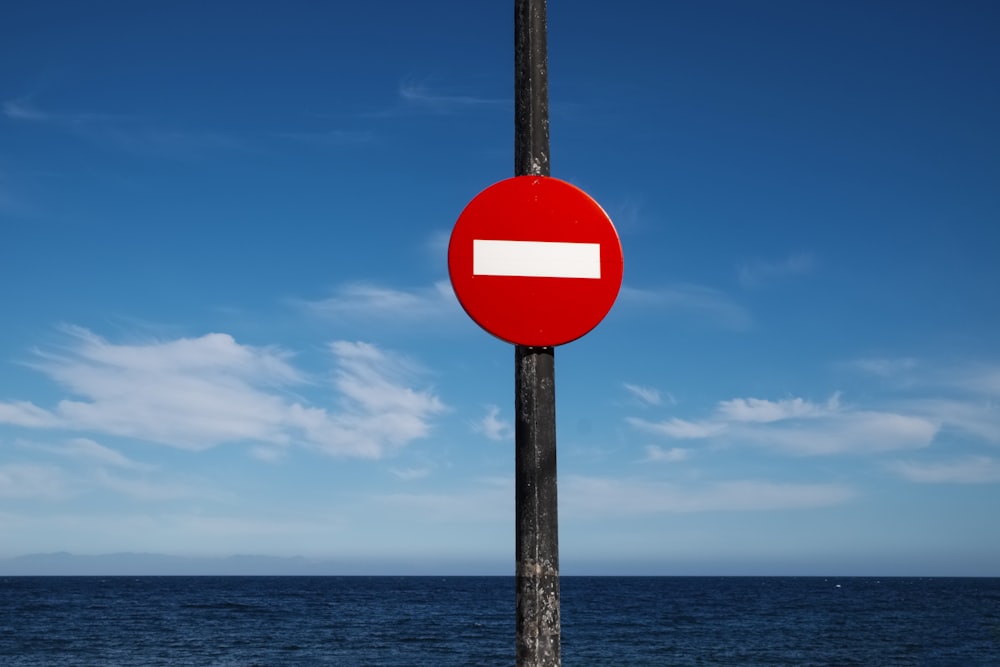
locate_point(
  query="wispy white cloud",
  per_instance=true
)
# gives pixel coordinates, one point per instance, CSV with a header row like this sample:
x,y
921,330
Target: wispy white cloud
x,y
21,109
646,395
408,474
25,413
147,490
975,417
759,272
90,466
627,213
961,397
678,429
800,427
592,496
416,97
436,246
378,411
196,393
28,481
87,450
492,426
422,97
124,133
268,453
885,367
982,379
845,432
370,301
971,470
699,301
763,410
24,109
672,455
330,138
166,142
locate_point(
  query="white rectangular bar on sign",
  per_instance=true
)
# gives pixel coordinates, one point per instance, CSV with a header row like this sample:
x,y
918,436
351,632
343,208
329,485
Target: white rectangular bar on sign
x,y
536,259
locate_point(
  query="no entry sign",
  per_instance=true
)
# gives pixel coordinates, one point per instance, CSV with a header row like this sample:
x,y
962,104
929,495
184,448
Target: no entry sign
x,y
535,261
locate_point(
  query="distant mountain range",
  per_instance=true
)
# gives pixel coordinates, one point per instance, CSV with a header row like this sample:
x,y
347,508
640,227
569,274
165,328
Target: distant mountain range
x,y
136,564
147,564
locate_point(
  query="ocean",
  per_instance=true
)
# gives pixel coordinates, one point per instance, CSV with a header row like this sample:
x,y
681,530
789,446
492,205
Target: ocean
x,y
469,621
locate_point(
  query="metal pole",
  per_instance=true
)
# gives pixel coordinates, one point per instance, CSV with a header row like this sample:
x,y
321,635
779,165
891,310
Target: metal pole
x,y
537,519
531,89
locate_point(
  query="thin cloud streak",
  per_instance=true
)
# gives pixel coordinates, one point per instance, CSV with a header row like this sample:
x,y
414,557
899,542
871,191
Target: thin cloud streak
x,y
143,490
420,96
409,474
698,301
759,273
369,301
975,417
981,379
593,496
21,109
492,426
677,428
414,98
886,368
330,138
24,413
971,470
800,427
27,481
672,455
764,411
851,432
126,133
965,397
90,451
646,395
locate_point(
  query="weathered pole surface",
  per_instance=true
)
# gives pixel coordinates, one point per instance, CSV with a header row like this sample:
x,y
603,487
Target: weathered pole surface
x,y
536,500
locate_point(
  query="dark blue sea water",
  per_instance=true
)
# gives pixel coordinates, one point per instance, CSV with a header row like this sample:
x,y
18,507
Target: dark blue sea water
x,y
469,621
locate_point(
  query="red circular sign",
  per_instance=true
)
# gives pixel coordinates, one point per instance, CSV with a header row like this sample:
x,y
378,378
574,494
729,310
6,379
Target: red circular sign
x,y
535,261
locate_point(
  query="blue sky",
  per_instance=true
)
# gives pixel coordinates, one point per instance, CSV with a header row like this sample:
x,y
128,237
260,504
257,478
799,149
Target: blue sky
x,y
228,327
